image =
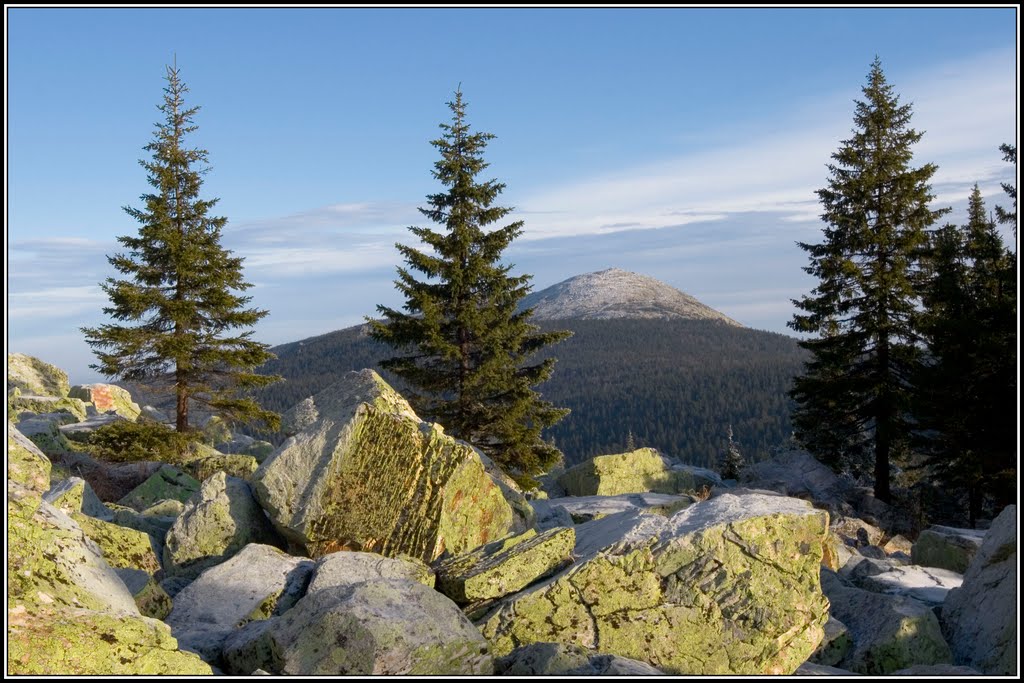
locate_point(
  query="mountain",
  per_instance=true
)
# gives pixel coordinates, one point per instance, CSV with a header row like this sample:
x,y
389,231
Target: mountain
x,y
616,293
671,381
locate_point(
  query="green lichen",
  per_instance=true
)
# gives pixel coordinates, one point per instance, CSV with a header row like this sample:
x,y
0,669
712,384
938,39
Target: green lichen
x,y
639,471
167,483
107,397
76,409
32,376
209,462
510,569
400,489
262,611
26,464
78,642
122,547
153,601
741,598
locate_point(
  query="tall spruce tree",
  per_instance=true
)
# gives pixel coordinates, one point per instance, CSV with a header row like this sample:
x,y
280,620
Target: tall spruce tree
x,y
179,302
1002,215
467,344
853,397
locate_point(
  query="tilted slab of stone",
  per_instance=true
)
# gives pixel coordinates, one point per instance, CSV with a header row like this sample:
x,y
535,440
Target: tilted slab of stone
x,y
947,547
729,585
366,474
980,618
834,646
26,464
32,376
247,587
930,585
63,410
797,473
68,612
642,470
889,632
167,483
346,568
75,495
508,570
559,659
106,398
586,508
376,627
82,431
218,521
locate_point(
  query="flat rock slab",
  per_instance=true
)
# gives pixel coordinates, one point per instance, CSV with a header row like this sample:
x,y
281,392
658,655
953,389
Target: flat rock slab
x,y
639,471
586,508
927,584
507,571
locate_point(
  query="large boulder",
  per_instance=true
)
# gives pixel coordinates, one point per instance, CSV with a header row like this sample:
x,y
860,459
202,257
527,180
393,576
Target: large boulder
x,y
68,409
889,632
347,568
366,473
639,471
32,376
947,547
980,618
218,521
68,612
255,584
729,585
107,398
930,585
796,473
375,627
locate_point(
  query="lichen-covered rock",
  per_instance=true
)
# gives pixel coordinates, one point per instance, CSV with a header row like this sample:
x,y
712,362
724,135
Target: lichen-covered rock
x,y
68,612
248,587
729,585
980,618
122,547
218,521
106,398
26,464
639,471
855,532
216,430
797,473
210,462
889,632
75,495
559,659
811,669
367,474
80,642
167,483
376,627
46,435
346,568
155,525
586,508
947,548
69,409
470,579
152,600
32,376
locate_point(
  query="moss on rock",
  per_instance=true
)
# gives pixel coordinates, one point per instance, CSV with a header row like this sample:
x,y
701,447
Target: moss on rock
x,y
106,398
32,376
167,483
26,464
639,471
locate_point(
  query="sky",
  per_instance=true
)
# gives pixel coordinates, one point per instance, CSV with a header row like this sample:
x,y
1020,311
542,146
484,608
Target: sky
x,y
682,143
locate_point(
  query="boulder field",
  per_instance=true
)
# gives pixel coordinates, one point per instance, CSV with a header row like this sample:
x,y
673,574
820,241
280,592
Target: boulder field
x,y
372,543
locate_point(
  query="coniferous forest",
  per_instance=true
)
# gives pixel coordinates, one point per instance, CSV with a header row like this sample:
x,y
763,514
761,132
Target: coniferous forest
x,y
676,385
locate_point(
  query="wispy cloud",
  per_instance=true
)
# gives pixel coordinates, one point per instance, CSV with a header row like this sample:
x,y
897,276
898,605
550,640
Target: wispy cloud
x,y
966,107
55,301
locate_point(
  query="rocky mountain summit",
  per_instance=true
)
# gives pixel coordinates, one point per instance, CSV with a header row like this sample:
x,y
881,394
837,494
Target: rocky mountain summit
x,y
370,543
615,293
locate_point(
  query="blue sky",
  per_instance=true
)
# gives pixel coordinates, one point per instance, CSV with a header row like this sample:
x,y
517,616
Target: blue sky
x,y
681,143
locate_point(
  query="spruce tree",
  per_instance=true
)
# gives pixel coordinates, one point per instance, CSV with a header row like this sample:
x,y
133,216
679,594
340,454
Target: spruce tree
x,y
467,345
178,309
732,462
853,397
967,388
1002,215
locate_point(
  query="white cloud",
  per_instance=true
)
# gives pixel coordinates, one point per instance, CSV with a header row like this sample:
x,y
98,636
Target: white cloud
x,y
55,302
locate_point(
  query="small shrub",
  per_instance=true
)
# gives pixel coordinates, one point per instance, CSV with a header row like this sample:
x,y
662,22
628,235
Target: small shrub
x,y
124,441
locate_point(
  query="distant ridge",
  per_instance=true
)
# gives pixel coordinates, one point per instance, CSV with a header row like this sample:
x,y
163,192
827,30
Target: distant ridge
x,y
616,293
